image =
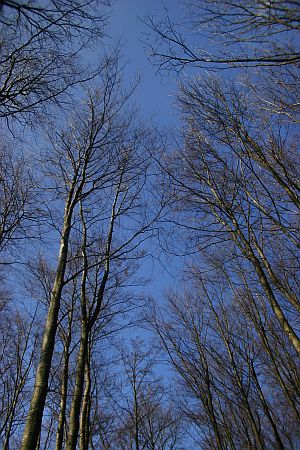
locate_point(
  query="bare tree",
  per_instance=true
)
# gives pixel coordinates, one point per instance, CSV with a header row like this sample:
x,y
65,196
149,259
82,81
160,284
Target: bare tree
x,y
148,421
99,421
18,340
230,173
227,34
110,268
224,376
234,185
39,283
99,154
40,45
19,214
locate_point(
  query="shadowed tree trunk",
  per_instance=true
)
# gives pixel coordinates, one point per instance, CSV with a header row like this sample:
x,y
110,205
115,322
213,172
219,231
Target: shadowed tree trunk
x,y
78,391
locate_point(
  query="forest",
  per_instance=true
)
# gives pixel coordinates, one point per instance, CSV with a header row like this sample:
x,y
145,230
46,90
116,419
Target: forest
x,y
100,205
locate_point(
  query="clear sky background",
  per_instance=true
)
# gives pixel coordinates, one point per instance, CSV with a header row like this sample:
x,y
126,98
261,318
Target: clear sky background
x,y
155,93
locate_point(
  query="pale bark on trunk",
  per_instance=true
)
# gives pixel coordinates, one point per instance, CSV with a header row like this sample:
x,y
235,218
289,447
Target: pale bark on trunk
x,y
289,295
64,384
258,324
35,414
285,325
81,361
85,413
248,251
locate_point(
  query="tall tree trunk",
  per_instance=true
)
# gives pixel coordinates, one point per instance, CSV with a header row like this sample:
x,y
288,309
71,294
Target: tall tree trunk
x,y
85,410
211,409
285,325
78,390
64,384
35,414
10,422
246,247
63,402
248,251
88,321
279,444
238,380
263,333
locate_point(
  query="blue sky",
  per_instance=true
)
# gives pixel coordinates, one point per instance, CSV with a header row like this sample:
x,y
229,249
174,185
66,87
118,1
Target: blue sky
x,y
154,95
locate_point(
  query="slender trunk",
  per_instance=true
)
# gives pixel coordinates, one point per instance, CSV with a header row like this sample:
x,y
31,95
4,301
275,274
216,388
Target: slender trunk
x,y
7,436
210,406
85,410
279,443
289,295
49,434
10,422
260,157
88,322
258,324
295,341
249,253
246,248
63,402
78,390
212,417
64,385
135,405
35,414
19,385
136,421
257,435
238,380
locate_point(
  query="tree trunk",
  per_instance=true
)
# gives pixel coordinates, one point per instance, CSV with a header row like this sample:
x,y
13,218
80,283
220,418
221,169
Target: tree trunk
x,y
35,414
248,251
78,390
258,324
237,378
279,444
85,412
63,403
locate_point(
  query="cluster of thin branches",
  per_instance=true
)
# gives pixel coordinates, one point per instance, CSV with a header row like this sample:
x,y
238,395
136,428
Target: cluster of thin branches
x,y
81,208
